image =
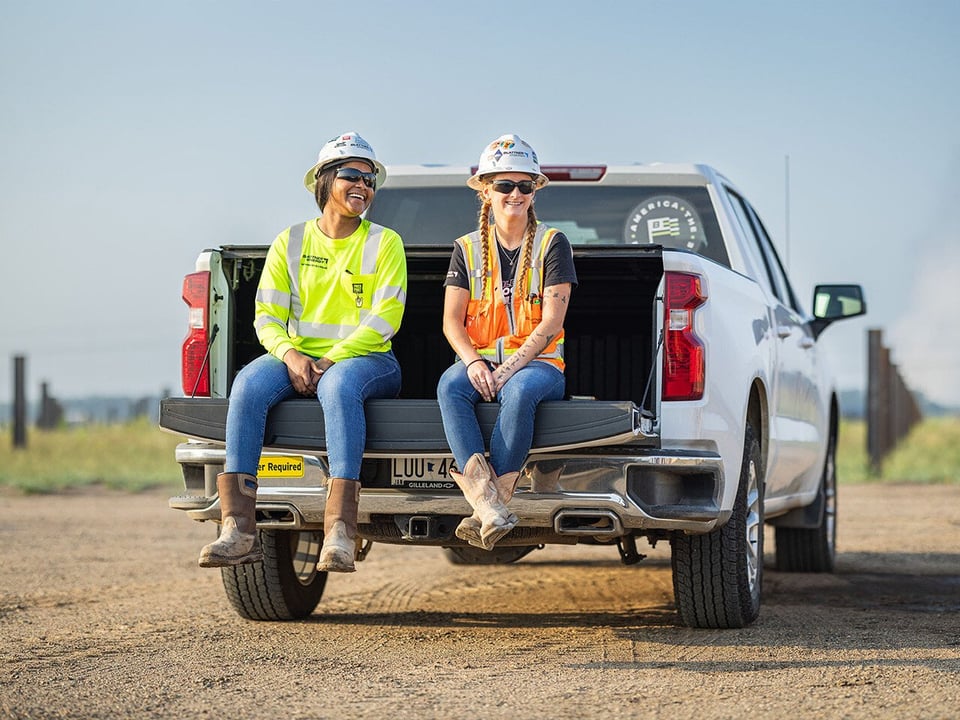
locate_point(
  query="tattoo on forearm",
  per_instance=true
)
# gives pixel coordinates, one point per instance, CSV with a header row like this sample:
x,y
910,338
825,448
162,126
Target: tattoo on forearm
x,y
533,346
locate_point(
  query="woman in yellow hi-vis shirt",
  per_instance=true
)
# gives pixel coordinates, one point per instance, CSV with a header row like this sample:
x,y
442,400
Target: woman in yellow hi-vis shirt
x,y
330,299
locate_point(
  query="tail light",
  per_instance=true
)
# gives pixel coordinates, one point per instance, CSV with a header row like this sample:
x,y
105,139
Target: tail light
x,y
583,173
194,368
684,369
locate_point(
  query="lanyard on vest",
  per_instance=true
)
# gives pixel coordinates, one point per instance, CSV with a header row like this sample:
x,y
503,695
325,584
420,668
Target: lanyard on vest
x,y
477,276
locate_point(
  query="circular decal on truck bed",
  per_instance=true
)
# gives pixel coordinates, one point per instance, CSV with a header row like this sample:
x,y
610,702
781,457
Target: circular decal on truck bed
x,y
665,220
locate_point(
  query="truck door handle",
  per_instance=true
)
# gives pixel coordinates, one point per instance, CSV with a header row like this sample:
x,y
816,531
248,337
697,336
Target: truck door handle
x,y
807,342
784,331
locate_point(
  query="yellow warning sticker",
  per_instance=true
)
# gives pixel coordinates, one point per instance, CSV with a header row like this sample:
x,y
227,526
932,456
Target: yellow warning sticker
x,y
282,466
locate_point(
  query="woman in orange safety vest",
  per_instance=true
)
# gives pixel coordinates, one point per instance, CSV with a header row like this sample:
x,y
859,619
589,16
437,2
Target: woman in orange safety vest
x,y
506,297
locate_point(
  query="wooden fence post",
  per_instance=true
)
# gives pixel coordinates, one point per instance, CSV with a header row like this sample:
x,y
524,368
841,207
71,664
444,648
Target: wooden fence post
x,y
19,402
892,409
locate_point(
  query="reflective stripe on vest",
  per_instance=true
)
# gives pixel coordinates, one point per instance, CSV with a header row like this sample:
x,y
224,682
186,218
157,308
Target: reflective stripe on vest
x,y
368,266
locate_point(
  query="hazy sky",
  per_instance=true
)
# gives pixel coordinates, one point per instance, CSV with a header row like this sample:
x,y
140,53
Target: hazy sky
x,y
134,134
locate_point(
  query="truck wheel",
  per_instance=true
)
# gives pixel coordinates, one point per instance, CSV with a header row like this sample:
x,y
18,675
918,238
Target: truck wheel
x,y
285,585
813,549
717,576
479,556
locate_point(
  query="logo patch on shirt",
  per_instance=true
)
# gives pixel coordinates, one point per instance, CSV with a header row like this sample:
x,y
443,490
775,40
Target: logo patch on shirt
x,y
315,261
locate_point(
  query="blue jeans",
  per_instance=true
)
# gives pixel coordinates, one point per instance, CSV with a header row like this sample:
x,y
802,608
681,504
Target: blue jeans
x,y
513,430
342,391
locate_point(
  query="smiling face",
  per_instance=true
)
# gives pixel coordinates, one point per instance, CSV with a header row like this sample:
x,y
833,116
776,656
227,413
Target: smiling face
x,y
510,206
345,197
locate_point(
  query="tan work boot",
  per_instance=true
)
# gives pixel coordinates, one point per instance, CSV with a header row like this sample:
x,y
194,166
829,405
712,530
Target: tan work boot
x,y
478,488
238,542
469,527
340,526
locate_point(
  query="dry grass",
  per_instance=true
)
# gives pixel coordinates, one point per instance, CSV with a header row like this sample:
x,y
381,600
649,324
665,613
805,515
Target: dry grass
x,y
129,456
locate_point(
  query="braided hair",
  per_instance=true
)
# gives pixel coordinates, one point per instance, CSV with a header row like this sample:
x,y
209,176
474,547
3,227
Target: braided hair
x,y
527,251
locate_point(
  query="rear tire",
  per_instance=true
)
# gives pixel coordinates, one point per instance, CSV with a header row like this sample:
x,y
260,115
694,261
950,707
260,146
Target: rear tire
x,y
717,576
814,549
478,556
285,585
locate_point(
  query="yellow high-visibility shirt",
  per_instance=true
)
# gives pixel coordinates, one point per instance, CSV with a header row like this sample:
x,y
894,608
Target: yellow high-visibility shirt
x,y
328,297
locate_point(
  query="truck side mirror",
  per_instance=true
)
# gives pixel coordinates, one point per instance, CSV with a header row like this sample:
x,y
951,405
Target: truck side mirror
x,y
836,302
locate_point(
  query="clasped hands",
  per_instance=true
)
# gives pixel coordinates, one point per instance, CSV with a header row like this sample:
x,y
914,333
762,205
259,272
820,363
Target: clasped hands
x,y
304,371
485,381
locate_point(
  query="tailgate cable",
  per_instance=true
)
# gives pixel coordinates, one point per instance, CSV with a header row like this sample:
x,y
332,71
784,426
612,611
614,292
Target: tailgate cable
x,y
644,412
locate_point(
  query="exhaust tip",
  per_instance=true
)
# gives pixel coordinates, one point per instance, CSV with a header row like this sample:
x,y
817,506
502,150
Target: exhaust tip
x,y
603,523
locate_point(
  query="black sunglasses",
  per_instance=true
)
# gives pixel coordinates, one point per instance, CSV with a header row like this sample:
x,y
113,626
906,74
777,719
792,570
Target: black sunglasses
x,y
506,186
352,175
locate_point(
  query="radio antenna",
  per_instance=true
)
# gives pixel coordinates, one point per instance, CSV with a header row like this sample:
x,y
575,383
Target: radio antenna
x,y
786,202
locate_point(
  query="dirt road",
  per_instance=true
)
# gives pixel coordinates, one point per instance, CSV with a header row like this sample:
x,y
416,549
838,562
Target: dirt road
x,y
112,618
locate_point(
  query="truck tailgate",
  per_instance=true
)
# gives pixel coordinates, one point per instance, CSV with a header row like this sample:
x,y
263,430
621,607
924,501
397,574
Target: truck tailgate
x,y
398,426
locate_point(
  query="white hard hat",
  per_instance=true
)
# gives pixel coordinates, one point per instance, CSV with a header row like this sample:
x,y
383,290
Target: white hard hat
x,y
339,150
508,153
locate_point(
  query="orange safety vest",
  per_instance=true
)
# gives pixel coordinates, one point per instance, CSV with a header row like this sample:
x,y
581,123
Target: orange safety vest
x,y
496,329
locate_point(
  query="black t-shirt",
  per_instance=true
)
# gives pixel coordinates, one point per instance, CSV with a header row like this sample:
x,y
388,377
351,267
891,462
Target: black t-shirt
x,y
557,266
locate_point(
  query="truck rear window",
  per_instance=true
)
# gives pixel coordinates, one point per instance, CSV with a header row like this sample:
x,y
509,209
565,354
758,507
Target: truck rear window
x,y
675,217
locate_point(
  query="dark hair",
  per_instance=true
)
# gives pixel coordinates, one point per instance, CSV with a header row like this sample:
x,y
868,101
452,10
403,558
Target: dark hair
x,y
325,180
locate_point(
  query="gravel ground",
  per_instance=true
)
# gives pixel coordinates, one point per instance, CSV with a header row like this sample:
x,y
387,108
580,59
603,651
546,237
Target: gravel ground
x,y
104,613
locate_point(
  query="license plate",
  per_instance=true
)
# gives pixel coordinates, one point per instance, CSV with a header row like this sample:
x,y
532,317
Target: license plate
x,y
433,473
280,466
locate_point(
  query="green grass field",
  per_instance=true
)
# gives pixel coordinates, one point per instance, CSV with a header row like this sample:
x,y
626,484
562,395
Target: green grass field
x,y
126,456
135,456
929,454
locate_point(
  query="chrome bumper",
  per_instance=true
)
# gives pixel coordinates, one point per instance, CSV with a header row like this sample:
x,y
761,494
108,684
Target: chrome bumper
x,y
574,494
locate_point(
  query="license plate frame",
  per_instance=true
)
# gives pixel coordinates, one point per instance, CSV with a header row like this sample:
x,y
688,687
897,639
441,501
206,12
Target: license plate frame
x,y
423,472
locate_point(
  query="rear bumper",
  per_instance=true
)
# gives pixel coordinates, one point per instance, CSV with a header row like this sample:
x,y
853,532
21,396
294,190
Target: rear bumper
x,y
575,495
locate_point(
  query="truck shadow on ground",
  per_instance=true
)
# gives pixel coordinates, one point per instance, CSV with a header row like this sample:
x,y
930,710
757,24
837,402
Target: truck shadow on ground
x,y
845,610
855,622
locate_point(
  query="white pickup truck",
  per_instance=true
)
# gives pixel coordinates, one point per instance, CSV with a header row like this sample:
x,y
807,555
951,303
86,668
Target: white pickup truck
x,y
699,405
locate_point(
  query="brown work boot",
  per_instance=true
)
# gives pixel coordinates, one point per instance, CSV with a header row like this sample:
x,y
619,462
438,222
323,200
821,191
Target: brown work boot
x,y
340,526
238,542
478,488
469,527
